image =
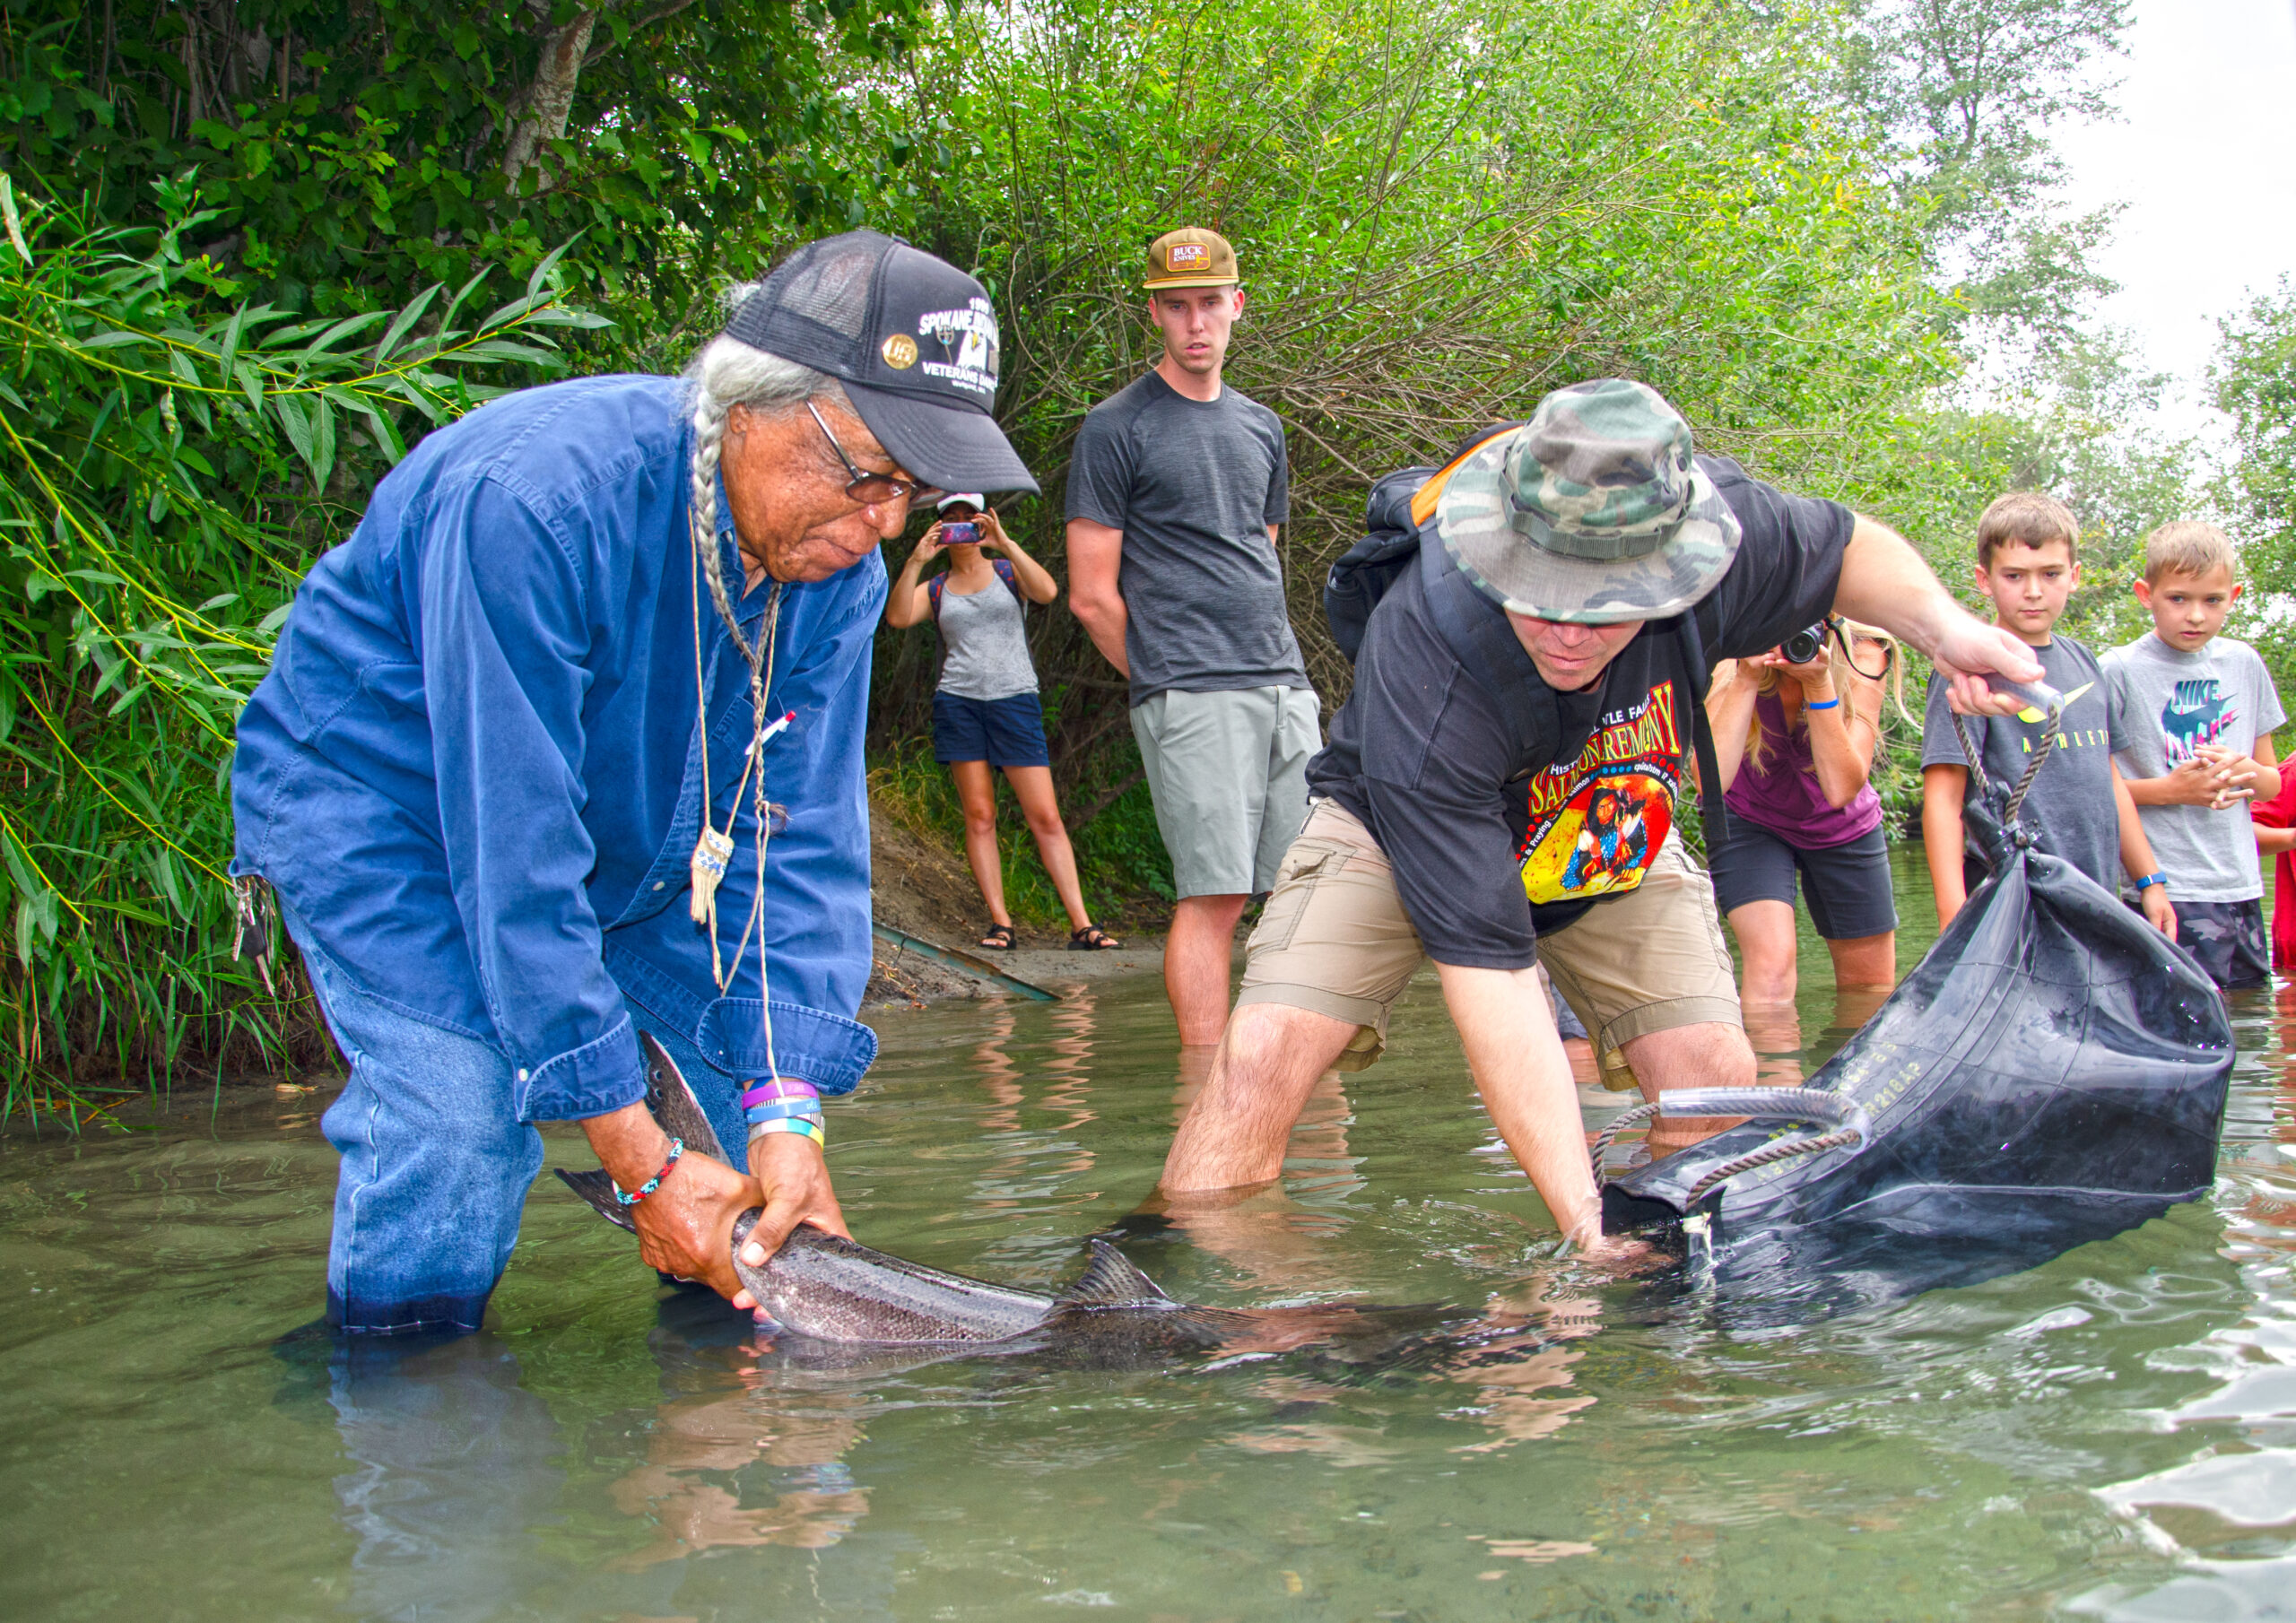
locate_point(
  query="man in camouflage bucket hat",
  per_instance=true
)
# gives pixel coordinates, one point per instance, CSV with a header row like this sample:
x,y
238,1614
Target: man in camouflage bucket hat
x,y
1501,787
1623,524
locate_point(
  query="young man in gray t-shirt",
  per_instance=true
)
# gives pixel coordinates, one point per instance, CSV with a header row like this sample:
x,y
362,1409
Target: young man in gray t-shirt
x,y
1175,490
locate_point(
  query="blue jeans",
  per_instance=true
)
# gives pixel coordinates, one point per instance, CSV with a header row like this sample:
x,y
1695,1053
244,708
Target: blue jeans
x,y
436,1164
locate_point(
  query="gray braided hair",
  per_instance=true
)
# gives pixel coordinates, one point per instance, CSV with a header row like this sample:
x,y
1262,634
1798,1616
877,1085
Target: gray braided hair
x,y
724,373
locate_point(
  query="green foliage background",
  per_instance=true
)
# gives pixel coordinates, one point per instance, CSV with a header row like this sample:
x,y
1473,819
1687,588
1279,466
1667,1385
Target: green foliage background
x,y
258,246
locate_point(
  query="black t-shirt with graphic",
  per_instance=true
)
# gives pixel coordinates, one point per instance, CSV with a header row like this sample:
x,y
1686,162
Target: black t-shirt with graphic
x,y
1500,830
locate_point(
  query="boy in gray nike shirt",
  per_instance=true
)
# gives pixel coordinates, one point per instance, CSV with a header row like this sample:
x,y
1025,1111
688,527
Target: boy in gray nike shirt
x,y
2200,711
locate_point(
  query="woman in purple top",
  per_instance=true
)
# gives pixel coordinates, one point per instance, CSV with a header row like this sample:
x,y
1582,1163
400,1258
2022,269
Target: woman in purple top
x,y
1795,743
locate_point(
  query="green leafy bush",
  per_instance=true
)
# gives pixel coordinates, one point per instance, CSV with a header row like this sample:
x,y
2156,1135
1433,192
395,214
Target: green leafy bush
x,y
166,477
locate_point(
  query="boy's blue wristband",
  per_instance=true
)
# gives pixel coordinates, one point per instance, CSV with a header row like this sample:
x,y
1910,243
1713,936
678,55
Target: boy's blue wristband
x,y
2149,880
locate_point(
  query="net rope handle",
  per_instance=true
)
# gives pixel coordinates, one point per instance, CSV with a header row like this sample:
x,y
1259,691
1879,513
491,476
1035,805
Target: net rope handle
x,y
1778,1103
2038,695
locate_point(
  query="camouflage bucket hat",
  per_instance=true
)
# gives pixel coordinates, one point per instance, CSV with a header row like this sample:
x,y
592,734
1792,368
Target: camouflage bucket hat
x,y
1593,512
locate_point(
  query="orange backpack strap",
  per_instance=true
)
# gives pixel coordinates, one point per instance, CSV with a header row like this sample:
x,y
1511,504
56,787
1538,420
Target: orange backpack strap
x,y
1422,503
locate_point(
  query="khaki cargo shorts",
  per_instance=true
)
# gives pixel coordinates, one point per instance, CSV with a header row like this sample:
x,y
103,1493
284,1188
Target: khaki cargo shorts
x,y
1334,938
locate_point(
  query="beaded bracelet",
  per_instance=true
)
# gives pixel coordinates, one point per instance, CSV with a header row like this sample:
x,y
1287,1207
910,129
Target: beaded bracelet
x,y
779,1109
804,1126
631,1197
1821,704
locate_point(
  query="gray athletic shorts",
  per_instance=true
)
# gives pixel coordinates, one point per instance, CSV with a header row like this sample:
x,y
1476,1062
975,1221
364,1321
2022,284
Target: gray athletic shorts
x,y
1229,774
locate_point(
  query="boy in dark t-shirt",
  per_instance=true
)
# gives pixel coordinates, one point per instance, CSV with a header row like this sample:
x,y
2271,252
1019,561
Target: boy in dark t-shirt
x,y
1574,579
2078,804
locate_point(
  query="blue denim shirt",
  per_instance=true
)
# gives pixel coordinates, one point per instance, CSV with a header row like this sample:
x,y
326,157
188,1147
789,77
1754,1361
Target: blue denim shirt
x,y
475,770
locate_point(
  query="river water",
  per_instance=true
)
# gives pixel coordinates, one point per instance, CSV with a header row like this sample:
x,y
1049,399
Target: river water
x,y
2111,1435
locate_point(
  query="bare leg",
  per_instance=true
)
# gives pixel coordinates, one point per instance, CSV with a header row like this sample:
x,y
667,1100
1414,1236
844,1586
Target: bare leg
x,y
1710,1055
1866,960
1236,1130
1765,933
1039,803
1261,1228
977,793
1199,956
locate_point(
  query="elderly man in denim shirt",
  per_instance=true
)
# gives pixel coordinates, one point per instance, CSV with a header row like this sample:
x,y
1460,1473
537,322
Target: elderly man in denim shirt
x,y
476,774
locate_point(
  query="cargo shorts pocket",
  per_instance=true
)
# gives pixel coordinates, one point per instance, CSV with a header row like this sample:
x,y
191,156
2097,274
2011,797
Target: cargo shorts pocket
x,y
1304,865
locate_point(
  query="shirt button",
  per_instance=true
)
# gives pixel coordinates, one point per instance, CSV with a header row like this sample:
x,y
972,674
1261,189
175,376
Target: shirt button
x,y
661,884
522,1074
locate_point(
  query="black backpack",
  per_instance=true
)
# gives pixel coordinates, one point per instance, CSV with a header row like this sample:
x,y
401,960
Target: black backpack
x,y
1399,529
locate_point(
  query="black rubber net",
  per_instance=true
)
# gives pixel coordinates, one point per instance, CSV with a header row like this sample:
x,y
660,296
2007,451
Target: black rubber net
x,y
2053,1071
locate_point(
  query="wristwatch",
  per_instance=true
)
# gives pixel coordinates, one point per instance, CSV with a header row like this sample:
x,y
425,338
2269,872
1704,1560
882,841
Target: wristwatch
x,y
2149,880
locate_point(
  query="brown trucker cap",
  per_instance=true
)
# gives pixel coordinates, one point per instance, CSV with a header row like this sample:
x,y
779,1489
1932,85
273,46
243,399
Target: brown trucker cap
x,y
1190,258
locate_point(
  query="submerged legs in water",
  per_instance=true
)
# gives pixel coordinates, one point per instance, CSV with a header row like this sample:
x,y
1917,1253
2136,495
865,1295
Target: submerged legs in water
x,y
1236,1130
1708,1055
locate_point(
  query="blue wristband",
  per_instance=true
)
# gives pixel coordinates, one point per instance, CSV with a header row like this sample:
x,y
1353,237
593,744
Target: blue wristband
x,y
1821,704
776,1109
2149,880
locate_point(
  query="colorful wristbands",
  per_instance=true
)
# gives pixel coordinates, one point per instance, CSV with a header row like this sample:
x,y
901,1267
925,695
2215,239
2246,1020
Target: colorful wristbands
x,y
804,1126
779,1108
1821,704
631,1197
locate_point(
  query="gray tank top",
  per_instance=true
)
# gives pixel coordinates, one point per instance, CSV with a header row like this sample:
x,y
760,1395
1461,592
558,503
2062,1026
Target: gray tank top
x,y
985,648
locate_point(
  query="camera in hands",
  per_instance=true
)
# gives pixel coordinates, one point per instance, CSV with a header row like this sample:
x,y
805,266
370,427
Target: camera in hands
x,y
961,533
1806,645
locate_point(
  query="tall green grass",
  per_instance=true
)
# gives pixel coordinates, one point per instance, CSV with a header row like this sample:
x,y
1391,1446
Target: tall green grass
x,y
170,463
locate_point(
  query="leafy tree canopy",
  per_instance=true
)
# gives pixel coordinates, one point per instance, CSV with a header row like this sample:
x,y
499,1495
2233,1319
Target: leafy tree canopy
x,y
355,151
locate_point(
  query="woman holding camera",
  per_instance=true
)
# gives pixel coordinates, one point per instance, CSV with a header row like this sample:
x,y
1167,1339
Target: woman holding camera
x,y
1794,731
985,709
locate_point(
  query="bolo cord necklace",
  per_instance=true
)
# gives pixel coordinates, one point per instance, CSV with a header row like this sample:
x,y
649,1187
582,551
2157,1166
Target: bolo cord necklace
x,y
715,848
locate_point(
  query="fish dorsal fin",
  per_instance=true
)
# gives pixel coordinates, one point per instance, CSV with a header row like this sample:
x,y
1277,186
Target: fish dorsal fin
x,y
1111,1281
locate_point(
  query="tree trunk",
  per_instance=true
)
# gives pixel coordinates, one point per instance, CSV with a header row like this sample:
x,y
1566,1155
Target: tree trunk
x,y
542,109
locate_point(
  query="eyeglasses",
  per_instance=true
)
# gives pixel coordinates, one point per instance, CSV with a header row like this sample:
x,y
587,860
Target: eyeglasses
x,y
868,488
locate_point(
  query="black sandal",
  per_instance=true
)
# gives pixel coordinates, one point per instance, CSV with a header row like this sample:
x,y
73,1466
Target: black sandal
x,y
998,937
1092,938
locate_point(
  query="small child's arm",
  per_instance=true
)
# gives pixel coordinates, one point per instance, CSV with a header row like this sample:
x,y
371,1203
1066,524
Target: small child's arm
x,y
1942,840
2136,857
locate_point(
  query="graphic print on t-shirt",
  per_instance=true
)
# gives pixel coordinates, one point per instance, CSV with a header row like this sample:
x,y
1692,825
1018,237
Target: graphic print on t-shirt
x,y
2196,713
1597,821
2067,737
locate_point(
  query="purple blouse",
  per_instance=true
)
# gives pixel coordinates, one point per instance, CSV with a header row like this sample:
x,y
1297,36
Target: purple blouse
x,y
1783,793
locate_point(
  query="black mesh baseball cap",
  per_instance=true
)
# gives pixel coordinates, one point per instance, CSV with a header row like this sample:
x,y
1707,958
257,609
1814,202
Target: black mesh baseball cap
x,y
912,338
